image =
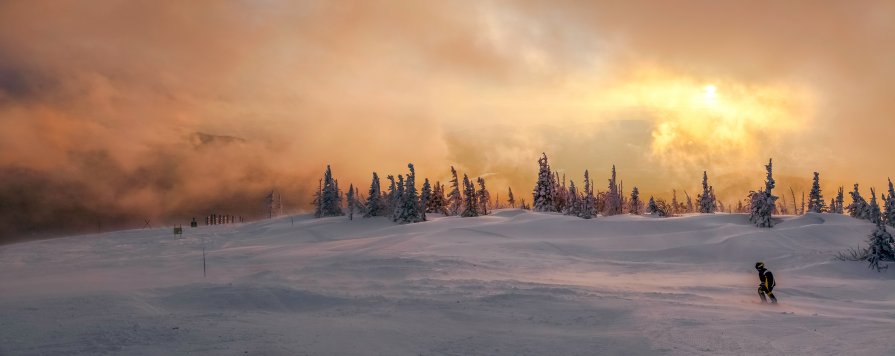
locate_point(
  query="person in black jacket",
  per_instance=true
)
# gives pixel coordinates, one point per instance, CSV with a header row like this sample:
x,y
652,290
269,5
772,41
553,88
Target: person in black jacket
x,y
767,283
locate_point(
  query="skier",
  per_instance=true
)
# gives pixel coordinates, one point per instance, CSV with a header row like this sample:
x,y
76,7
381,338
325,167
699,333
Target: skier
x,y
767,283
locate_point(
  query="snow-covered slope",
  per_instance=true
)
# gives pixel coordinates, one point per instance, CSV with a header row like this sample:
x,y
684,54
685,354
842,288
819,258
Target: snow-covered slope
x,y
511,283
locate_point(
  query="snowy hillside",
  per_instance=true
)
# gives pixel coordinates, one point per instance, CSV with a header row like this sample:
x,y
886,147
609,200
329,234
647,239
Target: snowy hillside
x,y
511,283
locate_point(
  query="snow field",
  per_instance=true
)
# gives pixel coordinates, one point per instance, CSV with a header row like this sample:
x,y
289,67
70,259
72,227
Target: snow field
x,y
510,283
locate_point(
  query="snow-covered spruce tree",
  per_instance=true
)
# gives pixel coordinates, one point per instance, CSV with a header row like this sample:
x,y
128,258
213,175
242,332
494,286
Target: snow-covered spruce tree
x,y
470,206
599,199
483,196
882,245
574,204
758,208
425,196
351,203
889,214
318,200
443,199
409,205
400,191
882,248
330,199
873,211
858,207
388,200
840,201
816,203
436,199
374,200
832,207
544,194
397,198
613,204
559,191
651,207
707,198
426,191
636,205
662,208
454,198
763,201
836,204
391,196
588,203
511,199
659,208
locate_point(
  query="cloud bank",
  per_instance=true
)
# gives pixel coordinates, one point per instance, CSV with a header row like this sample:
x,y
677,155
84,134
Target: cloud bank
x,y
112,112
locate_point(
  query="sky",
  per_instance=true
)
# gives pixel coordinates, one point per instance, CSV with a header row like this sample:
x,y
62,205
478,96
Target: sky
x,y
114,112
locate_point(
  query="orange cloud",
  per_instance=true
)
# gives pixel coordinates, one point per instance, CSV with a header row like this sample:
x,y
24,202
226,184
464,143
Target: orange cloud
x,y
120,110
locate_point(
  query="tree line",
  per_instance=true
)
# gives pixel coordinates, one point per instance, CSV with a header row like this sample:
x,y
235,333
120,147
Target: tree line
x,y
403,203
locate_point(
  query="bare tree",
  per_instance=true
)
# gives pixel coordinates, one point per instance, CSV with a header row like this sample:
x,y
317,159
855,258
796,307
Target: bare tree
x,y
795,209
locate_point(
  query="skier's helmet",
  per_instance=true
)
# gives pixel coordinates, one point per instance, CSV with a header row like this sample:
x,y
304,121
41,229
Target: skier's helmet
x,y
759,265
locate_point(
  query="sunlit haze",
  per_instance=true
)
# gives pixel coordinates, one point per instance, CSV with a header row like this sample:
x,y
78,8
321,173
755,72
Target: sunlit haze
x,y
113,112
